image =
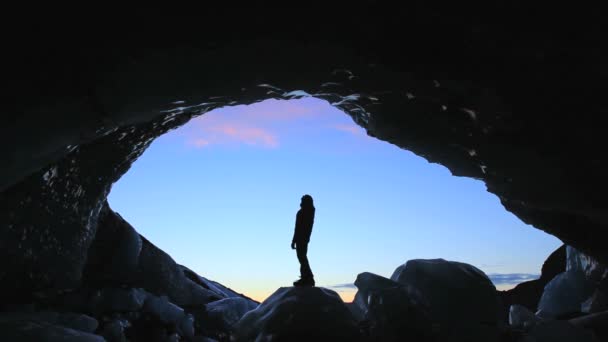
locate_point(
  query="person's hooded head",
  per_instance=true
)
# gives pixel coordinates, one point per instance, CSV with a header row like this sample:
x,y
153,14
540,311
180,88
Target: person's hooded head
x,y
306,202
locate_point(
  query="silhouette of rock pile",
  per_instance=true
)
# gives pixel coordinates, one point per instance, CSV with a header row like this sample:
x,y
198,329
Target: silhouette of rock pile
x,y
424,300
572,305
528,293
428,300
299,314
131,290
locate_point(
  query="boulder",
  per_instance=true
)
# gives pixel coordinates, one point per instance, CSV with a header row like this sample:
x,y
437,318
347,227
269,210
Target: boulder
x,y
564,294
159,274
392,311
596,303
36,331
528,293
559,331
461,298
220,290
119,256
77,321
521,317
114,331
298,314
579,261
171,338
596,322
114,252
226,312
73,321
111,300
170,314
203,339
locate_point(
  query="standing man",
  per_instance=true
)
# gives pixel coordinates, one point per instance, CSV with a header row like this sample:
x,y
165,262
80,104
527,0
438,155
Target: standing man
x,y
301,236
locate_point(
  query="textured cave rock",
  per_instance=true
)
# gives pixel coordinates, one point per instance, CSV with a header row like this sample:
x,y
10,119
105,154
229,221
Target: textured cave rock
x,y
568,291
504,97
597,323
560,331
31,331
391,311
68,320
119,256
226,312
461,298
521,317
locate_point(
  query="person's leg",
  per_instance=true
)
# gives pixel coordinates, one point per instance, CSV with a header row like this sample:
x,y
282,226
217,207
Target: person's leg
x,y
305,271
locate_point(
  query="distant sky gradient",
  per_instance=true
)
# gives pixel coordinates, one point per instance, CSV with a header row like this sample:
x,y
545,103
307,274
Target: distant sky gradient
x,y
220,196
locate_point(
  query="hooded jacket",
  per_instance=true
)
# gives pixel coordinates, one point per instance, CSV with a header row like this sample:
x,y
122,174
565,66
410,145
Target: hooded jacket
x,y
304,221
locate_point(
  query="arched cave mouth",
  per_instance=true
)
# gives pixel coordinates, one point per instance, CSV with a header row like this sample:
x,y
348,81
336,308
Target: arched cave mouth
x,y
219,194
503,97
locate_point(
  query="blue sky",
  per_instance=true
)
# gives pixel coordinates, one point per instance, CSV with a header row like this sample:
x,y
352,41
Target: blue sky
x,y
220,196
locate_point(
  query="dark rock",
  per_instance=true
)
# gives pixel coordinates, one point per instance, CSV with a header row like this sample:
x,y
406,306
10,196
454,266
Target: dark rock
x,y
220,290
392,311
528,293
172,338
461,298
202,339
114,331
77,301
560,331
226,312
170,314
565,293
148,328
596,322
521,317
68,320
186,326
114,253
596,303
356,307
120,256
579,261
554,265
35,331
118,300
298,314
159,274
78,322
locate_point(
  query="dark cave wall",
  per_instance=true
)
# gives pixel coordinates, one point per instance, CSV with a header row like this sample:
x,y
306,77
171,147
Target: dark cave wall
x,y
515,103
50,218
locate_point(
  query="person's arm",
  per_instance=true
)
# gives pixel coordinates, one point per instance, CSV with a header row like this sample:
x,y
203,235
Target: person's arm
x,y
295,231
307,223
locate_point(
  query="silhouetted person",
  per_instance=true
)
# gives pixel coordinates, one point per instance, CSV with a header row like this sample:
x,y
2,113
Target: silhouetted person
x,y
301,236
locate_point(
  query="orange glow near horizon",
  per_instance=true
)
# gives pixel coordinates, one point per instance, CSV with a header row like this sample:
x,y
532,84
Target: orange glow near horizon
x,y
260,296
347,296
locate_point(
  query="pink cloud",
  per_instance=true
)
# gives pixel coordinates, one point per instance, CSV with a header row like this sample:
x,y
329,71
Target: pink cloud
x,y
200,143
262,125
350,128
245,134
209,130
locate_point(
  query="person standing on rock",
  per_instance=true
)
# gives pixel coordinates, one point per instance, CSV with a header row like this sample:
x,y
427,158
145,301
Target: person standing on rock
x,y
301,236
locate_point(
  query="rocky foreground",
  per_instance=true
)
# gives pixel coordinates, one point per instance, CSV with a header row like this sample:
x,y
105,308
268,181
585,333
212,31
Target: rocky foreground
x,y
135,292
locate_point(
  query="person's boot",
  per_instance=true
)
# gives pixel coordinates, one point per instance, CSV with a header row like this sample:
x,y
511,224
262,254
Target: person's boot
x,y
304,282
310,282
